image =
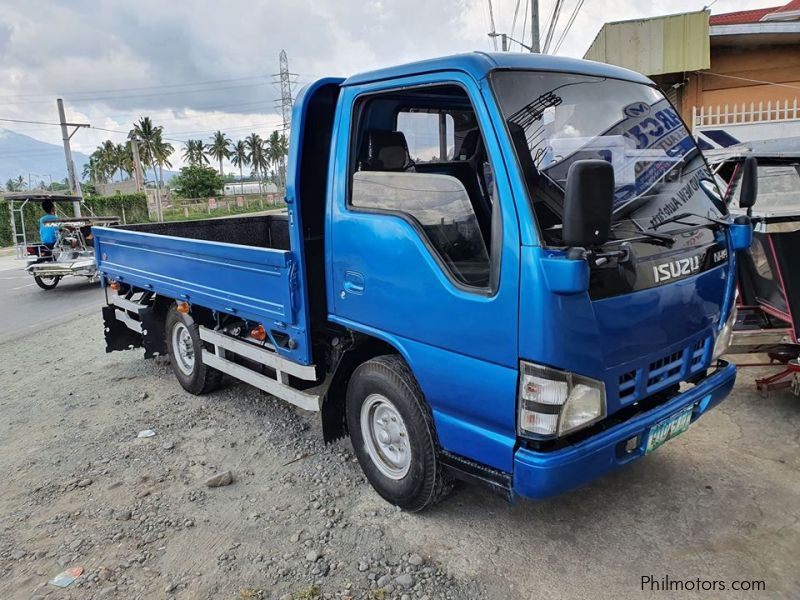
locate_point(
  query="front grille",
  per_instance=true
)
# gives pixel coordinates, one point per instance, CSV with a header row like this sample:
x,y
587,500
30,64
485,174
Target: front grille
x,y
663,372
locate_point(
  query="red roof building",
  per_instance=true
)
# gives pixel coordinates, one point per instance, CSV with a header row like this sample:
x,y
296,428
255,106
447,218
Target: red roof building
x,y
788,12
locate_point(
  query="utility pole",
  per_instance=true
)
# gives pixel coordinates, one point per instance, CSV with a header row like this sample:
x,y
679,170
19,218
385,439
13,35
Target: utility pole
x,y
535,27
504,42
74,183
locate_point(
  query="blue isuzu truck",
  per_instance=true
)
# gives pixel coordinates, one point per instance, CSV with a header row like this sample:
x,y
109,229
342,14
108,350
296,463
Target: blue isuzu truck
x,y
512,269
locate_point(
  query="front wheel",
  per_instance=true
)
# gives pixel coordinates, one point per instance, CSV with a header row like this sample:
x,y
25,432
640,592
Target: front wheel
x,y
46,283
393,436
186,354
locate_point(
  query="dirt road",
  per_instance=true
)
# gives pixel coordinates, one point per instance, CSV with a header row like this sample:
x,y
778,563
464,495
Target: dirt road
x,y
79,489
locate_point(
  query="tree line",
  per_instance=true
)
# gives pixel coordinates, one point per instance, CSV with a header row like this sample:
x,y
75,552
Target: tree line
x,y
110,159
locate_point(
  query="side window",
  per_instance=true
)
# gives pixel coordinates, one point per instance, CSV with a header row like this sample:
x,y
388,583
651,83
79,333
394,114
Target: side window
x,y
420,154
430,135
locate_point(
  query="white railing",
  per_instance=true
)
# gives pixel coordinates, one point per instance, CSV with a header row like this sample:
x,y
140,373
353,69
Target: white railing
x,y
740,114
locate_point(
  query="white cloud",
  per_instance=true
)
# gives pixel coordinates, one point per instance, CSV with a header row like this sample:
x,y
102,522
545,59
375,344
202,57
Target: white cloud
x,y
84,48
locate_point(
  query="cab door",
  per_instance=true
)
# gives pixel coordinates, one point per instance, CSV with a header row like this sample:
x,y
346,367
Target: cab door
x,y
424,250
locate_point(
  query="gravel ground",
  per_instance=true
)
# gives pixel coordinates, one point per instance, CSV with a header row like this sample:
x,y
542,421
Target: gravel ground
x,y
299,521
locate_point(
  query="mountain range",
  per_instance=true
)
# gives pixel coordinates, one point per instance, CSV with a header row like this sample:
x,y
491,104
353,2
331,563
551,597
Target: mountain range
x,y
23,155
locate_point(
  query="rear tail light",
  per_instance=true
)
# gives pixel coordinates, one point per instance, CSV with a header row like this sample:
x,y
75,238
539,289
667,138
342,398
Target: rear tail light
x,y
183,308
258,333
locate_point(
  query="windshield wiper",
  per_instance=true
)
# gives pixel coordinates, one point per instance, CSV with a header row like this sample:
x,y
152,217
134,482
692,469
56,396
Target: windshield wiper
x,y
656,239
679,217
641,234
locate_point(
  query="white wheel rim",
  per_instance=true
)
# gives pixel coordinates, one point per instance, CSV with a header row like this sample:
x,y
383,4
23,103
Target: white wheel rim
x,y
385,436
183,348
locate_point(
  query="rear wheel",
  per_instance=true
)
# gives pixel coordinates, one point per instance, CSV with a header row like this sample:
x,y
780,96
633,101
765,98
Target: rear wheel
x,y
186,354
46,283
393,436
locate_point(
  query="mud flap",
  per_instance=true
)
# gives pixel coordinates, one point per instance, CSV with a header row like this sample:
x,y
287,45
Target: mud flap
x,y
118,336
152,333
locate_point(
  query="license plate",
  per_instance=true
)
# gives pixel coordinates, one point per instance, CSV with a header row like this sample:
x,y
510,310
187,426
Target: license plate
x,y
669,428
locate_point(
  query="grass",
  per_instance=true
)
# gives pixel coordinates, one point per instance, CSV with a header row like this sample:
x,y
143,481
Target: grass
x,y
217,212
308,593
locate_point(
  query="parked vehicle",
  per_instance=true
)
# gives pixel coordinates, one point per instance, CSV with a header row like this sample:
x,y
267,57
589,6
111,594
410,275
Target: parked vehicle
x,y
72,254
459,284
769,282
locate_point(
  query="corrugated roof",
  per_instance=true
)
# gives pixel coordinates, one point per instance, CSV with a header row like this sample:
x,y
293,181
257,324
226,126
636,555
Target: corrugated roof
x,y
753,16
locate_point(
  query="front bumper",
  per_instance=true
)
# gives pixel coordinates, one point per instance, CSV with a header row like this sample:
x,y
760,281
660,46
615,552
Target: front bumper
x,y
543,474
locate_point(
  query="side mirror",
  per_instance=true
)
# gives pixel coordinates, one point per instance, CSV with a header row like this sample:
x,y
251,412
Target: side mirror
x,y
588,203
749,188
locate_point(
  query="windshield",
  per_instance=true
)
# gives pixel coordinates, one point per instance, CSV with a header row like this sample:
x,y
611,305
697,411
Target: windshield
x,y
555,119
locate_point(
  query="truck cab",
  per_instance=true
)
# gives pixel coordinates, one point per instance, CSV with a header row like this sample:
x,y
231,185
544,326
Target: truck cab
x,y
508,268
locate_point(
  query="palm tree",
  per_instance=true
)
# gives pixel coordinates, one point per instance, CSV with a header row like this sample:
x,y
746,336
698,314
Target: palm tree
x,y
125,159
277,149
194,152
147,135
17,184
163,150
189,151
240,159
256,155
94,169
108,152
220,148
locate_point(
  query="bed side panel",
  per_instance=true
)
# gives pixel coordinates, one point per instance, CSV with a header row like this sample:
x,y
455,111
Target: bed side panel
x,y
257,284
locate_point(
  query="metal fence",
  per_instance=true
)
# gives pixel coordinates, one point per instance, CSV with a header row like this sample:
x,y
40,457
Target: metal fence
x,y
739,114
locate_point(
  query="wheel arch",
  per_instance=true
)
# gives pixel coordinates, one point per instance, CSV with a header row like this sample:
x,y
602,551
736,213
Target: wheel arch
x,y
363,347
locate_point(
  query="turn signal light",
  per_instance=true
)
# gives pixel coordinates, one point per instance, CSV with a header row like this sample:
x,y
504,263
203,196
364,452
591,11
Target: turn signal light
x,y
114,286
258,333
183,308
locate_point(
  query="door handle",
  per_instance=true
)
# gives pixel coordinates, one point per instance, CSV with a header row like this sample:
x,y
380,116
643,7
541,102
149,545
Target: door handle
x,y
353,282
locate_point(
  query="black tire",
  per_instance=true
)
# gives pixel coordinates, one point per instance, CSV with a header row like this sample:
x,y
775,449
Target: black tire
x,y
200,378
46,283
423,481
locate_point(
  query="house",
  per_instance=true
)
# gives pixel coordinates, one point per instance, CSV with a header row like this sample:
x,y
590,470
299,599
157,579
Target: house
x,y
732,76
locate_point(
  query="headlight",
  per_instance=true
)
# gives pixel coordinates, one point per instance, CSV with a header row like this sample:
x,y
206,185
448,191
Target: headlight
x,y
554,403
724,336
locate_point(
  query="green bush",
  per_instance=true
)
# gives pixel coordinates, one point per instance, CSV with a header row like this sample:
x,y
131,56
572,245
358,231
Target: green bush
x,y
133,207
33,211
196,181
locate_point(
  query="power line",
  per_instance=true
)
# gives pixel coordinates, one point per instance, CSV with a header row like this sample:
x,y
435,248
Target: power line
x,y
785,85
135,89
552,26
491,22
32,122
564,33
525,22
75,100
514,20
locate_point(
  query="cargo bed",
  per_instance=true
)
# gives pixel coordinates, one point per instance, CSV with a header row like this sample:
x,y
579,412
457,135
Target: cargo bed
x,y
240,266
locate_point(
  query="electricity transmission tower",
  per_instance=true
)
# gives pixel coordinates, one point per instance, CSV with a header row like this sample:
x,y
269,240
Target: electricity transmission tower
x,y
285,79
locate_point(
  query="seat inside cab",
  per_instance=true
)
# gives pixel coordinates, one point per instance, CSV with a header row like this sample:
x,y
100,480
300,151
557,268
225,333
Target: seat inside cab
x,y
430,130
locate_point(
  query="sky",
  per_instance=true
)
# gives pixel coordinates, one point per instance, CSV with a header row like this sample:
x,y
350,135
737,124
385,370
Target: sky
x,y
195,67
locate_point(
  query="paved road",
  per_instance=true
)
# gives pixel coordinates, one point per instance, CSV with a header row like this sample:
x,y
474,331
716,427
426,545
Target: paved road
x,y
25,308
